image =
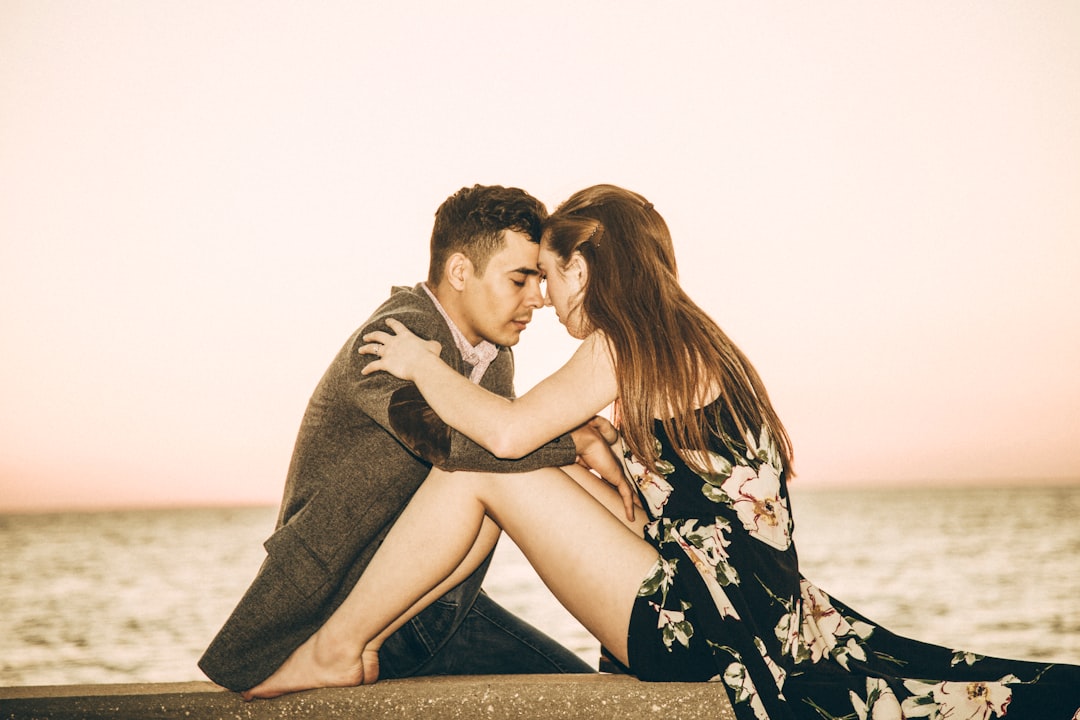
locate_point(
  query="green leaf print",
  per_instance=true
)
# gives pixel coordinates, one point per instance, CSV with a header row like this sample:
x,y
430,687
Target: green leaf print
x,y
720,465
825,714
675,627
679,632
968,658
659,579
715,494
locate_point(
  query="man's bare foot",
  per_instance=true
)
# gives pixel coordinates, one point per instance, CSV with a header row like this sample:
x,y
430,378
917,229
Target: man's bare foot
x,y
317,663
370,669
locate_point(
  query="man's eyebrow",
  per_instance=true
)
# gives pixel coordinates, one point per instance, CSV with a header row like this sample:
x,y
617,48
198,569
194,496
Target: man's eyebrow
x,y
525,271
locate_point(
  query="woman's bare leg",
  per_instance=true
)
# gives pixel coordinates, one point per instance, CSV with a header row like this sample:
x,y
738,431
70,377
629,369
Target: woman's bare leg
x,y
607,496
584,553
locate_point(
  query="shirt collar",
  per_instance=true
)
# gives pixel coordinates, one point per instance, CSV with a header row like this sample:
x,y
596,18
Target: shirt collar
x,y
479,356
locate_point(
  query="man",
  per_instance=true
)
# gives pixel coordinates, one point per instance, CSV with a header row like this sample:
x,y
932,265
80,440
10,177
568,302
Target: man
x,y
367,442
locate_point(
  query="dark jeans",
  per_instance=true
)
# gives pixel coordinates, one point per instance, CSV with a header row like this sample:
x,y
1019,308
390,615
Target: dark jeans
x,y
465,632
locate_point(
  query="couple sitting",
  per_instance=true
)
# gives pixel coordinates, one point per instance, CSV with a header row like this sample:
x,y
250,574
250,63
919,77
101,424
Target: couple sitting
x,y
674,551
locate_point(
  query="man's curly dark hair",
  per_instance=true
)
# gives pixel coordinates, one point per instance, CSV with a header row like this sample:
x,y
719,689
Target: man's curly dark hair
x,y
472,221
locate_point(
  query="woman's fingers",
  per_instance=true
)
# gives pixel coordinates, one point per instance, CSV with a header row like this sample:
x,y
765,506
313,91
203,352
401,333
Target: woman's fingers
x,y
377,336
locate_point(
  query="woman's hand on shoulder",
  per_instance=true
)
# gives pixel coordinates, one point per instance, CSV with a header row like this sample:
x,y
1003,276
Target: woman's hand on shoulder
x,y
398,352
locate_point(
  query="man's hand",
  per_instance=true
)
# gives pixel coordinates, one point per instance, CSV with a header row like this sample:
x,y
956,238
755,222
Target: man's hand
x,y
593,442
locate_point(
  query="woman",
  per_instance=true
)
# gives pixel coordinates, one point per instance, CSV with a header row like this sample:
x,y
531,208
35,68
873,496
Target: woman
x,y
703,585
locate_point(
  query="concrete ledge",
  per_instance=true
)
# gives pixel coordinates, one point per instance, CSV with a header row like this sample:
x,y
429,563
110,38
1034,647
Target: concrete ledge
x,y
492,697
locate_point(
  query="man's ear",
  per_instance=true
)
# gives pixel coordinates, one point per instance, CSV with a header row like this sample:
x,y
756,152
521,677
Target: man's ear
x,y
458,268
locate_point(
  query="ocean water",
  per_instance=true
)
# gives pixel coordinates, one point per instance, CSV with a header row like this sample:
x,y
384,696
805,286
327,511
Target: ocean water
x,y
136,596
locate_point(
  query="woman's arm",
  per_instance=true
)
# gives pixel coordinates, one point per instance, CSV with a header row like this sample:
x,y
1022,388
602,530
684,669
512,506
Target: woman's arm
x,y
508,428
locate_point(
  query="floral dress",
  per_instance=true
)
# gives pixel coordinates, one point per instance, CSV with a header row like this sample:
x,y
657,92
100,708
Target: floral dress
x,y
726,603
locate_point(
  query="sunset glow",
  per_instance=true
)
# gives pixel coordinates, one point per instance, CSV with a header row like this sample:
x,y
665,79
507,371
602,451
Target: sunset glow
x,y
200,201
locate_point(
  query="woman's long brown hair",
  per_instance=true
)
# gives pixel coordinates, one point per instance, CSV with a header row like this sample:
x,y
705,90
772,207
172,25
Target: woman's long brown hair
x,y
664,345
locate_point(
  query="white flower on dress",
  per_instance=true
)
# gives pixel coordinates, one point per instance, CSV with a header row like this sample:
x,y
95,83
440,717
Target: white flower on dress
x,y
824,629
738,679
787,631
778,673
962,700
751,488
654,488
880,703
706,547
755,496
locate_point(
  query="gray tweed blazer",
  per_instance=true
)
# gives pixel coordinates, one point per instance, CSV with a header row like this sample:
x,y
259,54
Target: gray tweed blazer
x,y
364,446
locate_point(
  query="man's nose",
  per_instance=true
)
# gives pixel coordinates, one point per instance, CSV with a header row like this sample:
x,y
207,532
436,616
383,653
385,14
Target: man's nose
x,y
536,295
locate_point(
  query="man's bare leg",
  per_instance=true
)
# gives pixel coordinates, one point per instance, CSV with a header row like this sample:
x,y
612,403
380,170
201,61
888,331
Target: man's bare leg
x,y
481,549
322,662
585,554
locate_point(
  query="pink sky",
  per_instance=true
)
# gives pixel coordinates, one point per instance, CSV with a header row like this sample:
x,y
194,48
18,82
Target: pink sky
x,y
199,201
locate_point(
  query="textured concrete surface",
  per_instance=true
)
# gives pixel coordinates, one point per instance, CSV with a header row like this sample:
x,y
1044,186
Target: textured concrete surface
x,y
491,697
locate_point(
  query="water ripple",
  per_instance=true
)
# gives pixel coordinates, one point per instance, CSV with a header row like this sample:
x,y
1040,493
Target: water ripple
x,y
137,596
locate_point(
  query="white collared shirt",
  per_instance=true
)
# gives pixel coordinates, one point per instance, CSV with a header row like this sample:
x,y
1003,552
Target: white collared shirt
x,y
478,356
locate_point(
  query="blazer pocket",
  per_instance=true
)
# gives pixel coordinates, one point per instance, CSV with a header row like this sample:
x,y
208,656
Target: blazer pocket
x,y
290,556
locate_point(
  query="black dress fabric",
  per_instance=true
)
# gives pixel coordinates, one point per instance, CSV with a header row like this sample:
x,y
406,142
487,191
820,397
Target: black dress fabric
x,y
726,603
